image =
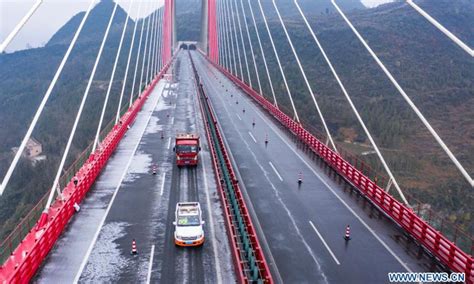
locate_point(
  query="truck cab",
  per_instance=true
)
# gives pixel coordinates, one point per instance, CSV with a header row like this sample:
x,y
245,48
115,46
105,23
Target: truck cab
x,y
188,224
187,149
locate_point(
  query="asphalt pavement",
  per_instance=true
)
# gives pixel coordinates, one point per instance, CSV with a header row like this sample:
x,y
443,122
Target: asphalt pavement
x,y
129,202
303,226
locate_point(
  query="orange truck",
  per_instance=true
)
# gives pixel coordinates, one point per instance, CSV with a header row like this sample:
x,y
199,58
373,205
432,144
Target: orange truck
x,y
187,149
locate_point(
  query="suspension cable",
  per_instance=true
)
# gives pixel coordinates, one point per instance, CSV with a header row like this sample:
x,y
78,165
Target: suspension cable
x,y
145,58
150,51
109,88
279,63
308,85
251,47
155,44
79,113
229,36
222,59
234,29
158,47
224,38
130,52
18,154
243,44
440,27
356,112
137,61
408,100
161,39
20,25
275,102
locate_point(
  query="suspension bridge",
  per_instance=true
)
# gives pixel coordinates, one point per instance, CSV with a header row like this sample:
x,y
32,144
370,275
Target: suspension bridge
x,y
282,203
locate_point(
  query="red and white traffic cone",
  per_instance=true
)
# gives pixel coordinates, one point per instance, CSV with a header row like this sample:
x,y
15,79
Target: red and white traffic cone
x,y
300,178
347,236
253,123
266,138
134,247
154,170
162,135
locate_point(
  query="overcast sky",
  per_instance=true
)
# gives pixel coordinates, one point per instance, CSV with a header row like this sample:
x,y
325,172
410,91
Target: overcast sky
x,y
53,14
50,16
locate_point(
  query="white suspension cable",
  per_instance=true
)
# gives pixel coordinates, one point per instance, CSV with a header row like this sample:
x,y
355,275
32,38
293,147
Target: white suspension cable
x,y
278,61
229,37
109,88
158,48
148,19
137,62
125,76
440,27
224,38
408,100
356,112
234,29
155,45
20,25
308,85
251,47
243,44
18,154
275,102
150,51
79,112
222,59
161,39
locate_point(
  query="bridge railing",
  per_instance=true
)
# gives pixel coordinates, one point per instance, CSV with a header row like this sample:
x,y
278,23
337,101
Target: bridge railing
x,y
449,229
23,261
433,240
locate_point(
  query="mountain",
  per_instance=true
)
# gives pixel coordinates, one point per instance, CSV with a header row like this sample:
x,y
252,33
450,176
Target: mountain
x,y
24,79
434,72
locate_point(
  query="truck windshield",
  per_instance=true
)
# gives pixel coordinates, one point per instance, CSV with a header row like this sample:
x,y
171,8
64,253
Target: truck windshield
x,y
188,221
186,149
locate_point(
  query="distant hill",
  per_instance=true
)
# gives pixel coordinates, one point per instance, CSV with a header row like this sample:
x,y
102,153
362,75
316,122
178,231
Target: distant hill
x,y
24,79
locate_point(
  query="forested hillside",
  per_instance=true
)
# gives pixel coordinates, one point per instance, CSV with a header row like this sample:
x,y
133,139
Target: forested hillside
x,y
24,79
434,72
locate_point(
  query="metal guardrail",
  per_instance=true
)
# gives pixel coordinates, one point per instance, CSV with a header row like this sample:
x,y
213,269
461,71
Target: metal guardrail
x,y
432,240
24,261
249,260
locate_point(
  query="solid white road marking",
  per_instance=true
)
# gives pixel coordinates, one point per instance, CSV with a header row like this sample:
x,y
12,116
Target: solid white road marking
x,y
111,202
324,243
332,191
163,178
150,265
169,142
172,120
253,138
238,116
275,170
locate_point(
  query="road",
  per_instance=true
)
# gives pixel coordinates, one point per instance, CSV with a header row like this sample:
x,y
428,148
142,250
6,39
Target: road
x,y
302,226
129,202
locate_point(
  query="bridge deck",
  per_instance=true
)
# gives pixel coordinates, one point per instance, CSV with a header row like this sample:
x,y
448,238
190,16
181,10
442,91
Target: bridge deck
x,y
303,226
144,205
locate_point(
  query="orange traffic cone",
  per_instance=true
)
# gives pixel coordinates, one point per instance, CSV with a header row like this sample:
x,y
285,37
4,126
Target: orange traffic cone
x,y
347,236
134,247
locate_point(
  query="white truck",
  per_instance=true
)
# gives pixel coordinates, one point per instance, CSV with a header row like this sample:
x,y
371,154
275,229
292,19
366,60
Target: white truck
x,y
188,224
